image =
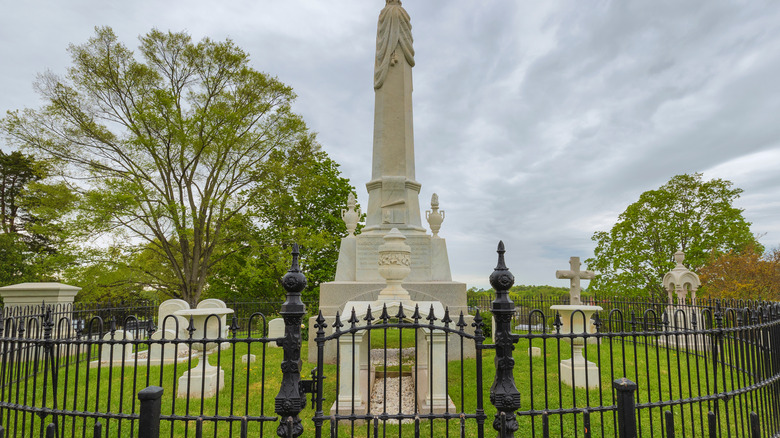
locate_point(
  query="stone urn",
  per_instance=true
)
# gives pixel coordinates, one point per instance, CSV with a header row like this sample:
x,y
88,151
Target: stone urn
x,y
395,261
350,215
434,216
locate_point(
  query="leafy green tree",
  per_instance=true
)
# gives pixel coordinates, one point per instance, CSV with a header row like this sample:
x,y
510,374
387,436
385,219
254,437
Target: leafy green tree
x,y
688,214
16,172
165,148
33,239
121,273
300,202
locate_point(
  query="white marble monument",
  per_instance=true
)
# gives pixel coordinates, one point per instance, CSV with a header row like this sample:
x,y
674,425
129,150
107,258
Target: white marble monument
x,y
574,274
204,380
681,285
393,197
575,318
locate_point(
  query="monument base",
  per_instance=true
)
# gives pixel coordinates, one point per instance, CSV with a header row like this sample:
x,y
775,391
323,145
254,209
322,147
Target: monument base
x,y
201,383
334,296
579,373
344,408
440,406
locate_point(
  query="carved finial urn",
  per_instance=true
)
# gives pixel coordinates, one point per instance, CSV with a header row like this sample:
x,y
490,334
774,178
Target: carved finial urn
x,y
395,261
434,216
350,215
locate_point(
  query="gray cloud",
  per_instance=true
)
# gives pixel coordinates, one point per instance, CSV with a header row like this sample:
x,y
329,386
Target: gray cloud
x,y
535,122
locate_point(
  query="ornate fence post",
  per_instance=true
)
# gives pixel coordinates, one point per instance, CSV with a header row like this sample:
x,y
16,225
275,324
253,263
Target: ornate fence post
x,y
503,393
291,400
149,413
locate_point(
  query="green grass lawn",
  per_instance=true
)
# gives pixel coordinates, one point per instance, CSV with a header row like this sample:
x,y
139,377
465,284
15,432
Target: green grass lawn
x,y
250,389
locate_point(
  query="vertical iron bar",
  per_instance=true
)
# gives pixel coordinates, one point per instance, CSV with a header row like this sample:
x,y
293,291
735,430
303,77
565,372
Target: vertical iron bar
x,y
478,339
320,325
586,423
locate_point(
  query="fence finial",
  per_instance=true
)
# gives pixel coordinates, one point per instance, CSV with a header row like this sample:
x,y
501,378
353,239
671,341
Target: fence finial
x,y
501,279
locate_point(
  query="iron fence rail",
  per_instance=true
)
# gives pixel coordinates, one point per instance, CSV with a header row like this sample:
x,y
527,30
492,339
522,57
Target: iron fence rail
x,y
709,368
714,376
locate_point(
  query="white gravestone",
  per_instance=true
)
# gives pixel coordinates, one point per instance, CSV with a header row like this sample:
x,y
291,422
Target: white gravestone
x,y
213,303
163,353
117,353
166,320
578,371
275,330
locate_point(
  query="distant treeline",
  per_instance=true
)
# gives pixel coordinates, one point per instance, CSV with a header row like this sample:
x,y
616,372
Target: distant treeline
x,y
520,292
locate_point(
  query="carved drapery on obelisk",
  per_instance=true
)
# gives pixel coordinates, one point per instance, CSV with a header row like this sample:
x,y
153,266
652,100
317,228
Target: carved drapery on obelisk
x,y
394,34
393,191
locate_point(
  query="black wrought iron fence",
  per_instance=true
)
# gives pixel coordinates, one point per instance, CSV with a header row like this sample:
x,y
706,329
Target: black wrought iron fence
x,y
660,371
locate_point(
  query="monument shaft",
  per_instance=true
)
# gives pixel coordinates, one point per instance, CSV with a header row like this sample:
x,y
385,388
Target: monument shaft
x,y
393,192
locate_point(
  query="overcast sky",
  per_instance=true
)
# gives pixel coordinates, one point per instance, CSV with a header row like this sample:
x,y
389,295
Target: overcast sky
x,y
536,122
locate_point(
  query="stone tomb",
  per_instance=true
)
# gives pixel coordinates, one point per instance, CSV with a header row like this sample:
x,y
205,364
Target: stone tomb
x,y
173,326
430,370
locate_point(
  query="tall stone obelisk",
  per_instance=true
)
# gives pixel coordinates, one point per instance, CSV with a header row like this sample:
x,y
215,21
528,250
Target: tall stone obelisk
x,y
393,192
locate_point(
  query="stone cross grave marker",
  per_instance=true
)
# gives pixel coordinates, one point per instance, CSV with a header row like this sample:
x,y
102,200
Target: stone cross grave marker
x,y
575,275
